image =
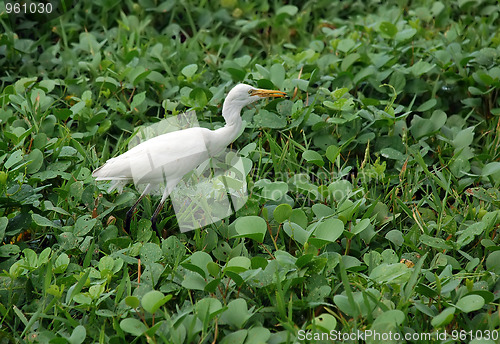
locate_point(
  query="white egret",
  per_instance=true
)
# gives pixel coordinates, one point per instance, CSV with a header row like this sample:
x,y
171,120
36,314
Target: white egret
x,y
167,158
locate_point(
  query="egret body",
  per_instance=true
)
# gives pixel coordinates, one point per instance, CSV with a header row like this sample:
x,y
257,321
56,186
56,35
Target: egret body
x,y
167,158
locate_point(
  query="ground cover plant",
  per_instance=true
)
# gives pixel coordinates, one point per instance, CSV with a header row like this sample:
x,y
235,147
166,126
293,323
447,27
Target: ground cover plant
x,y
373,189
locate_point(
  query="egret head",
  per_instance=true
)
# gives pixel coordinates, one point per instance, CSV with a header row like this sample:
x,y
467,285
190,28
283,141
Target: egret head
x,y
242,95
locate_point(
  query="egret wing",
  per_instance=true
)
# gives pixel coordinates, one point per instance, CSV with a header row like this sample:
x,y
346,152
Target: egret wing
x,y
162,158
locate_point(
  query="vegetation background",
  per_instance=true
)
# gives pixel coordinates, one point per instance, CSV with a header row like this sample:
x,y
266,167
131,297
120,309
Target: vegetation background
x,y
374,189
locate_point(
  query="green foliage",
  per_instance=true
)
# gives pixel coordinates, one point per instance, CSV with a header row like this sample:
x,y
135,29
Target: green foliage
x,y
374,201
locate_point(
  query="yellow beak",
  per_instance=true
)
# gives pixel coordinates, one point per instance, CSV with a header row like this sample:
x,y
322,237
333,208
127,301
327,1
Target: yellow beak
x,y
267,93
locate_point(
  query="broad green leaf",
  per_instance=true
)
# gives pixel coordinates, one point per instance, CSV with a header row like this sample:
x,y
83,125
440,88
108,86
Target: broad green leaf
x,y
290,10
470,303
332,152
272,190
236,314
491,168
349,60
14,158
153,300
189,70
437,243
253,227
43,221
83,225
3,225
138,100
151,252
313,157
35,159
296,232
392,153
396,237
388,29
133,326
397,273
78,335
325,322
238,264
360,226
326,232
282,212
443,318
428,105
346,45
207,308
493,262
277,74
198,262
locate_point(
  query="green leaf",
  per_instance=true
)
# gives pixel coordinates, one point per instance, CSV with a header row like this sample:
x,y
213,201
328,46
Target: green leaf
x,y
43,221
290,10
3,225
238,264
491,168
132,301
437,243
470,303
153,300
428,105
396,237
83,225
14,158
198,262
360,226
326,322
282,212
463,138
313,157
107,82
78,336
272,190
326,232
421,67
189,70
349,60
296,232
443,318
151,252
346,45
236,314
61,263
321,210
468,235
405,34
133,326
493,262
397,273
332,152
392,153
35,159
253,227
277,74
138,100
267,119
388,29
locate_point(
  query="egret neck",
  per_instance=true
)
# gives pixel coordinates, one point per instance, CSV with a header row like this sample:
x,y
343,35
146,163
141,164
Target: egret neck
x,y
229,132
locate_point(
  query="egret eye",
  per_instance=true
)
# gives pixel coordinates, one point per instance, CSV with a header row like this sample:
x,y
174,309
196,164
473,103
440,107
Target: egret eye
x,y
250,91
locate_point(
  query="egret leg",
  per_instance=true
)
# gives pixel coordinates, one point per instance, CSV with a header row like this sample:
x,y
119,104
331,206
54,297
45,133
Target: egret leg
x,y
155,215
168,189
130,212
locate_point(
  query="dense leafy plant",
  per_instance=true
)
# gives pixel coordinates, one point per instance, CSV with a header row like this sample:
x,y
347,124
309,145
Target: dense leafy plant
x,y
374,201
